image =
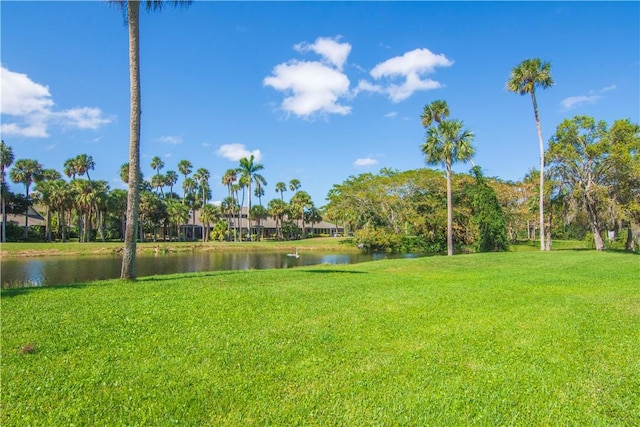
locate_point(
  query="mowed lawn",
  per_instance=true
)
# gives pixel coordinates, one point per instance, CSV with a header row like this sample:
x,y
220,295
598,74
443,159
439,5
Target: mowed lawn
x,y
524,338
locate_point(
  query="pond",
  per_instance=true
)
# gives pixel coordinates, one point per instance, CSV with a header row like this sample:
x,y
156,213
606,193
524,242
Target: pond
x,y
61,270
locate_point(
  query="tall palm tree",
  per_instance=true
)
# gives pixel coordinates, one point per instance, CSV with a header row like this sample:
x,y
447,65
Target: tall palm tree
x,y
6,160
281,187
435,112
448,143
26,171
83,164
249,169
45,194
133,200
525,78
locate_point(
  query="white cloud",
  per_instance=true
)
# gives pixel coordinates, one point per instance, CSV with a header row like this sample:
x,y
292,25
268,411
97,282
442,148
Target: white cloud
x,y
331,50
572,102
31,107
577,101
314,87
364,162
410,69
235,152
173,140
391,114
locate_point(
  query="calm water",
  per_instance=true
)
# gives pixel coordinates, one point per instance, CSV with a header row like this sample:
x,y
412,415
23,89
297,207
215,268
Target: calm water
x,y
60,270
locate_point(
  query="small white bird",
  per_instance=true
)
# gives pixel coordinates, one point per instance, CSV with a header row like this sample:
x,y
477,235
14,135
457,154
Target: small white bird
x,y
295,254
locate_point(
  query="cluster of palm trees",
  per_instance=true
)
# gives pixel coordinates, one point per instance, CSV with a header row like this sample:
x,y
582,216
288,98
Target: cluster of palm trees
x,y
95,207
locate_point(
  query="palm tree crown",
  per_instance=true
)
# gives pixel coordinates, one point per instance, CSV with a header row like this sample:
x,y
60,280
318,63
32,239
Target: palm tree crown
x,y
434,112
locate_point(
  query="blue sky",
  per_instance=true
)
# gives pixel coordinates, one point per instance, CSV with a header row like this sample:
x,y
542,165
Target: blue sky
x,y
318,91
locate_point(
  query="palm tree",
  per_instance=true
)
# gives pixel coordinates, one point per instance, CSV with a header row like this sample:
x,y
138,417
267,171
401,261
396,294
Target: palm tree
x,y
250,170
6,160
45,190
281,187
157,164
434,112
83,164
299,202
448,143
202,176
170,179
277,208
133,20
229,178
208,214
26,171
294,185
524,78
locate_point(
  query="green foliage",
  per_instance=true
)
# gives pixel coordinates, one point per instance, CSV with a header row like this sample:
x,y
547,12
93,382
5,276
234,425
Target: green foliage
x,y
488,216
429,341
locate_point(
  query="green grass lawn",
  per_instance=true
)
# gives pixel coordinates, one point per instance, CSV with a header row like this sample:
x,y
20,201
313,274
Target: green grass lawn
x,y
522,338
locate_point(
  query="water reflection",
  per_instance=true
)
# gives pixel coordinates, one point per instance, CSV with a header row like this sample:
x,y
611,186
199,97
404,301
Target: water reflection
x,y
60,270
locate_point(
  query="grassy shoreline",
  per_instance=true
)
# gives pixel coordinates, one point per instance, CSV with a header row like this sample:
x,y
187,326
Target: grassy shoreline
x,y
524,338
326,244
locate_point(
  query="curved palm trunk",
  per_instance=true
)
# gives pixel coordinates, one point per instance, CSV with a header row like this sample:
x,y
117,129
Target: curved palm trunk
x,y
449,211
541,144
129,257
26,216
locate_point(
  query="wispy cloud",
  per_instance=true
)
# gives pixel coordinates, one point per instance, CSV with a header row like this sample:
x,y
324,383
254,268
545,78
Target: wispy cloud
x,y
235,152
365,162
28,109
391,114
169,139
594,96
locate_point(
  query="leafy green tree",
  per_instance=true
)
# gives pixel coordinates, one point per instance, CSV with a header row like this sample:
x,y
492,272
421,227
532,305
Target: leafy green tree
x,y
448,143
624,177
578,154
26,171
133,21
488,215
524,79
6,160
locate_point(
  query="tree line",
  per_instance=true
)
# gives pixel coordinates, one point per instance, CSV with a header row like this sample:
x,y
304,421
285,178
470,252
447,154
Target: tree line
x,y
89,209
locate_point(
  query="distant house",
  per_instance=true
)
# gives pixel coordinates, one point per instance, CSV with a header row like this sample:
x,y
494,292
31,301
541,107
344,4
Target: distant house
x,y
34,219
267,226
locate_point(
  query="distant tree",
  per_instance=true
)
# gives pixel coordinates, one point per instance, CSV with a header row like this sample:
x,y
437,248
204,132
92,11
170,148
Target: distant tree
x,y
171,179
579,155
157,164
208,214
6,160
281,187
249,169
448,143
26,171
524,79
259,213
488,215
277,209
299,202
294,185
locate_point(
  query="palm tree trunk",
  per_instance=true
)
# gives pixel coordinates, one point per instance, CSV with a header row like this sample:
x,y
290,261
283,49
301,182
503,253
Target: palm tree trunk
x,y
128,271
26,217
48,225
541,144
449,212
